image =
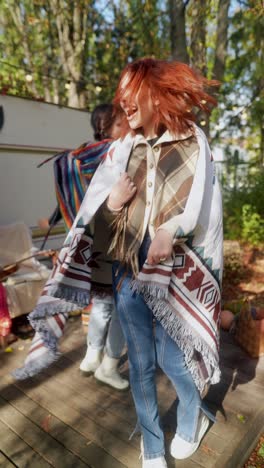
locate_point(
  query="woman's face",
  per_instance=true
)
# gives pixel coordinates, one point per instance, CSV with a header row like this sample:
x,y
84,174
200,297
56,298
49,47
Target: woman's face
x,y
115,130
139,110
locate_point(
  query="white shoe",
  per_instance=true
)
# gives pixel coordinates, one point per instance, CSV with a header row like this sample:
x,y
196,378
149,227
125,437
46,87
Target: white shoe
x,y
181,449
159,462
91,360
107,373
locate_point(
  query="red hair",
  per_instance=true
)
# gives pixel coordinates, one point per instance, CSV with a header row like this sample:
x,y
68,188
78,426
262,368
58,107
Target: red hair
x,y
177,87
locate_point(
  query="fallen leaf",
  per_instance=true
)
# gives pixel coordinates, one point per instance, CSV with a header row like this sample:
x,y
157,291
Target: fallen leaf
x,y
9,349
46,423
207,449
241,418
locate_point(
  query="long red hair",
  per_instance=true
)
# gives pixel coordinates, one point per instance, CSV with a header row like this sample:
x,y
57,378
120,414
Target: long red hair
x,y
177,87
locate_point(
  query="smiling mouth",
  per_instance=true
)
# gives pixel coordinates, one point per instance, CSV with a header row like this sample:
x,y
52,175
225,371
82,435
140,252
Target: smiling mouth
x,y
131,112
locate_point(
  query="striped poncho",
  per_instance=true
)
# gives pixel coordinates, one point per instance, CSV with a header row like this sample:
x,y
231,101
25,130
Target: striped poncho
x,y
73,171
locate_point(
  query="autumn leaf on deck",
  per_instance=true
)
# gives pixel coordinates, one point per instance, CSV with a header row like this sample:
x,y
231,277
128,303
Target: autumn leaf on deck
x,y
207,449
241,418
46,423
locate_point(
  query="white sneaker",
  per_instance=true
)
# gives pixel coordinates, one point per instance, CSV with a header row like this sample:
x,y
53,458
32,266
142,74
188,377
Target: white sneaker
x,y
159,462
181,449
91,360
107,373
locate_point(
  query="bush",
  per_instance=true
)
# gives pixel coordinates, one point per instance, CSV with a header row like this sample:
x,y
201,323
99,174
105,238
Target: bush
x,y
233,264
244,209
252,225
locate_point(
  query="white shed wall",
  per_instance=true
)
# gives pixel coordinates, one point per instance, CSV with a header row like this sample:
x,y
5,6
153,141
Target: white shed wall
x,y
32,132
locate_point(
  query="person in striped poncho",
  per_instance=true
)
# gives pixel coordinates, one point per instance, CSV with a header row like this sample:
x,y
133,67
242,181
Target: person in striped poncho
x,y
73,172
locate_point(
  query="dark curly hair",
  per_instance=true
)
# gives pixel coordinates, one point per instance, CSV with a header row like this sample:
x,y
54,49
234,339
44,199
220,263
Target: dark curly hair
x,y
102,119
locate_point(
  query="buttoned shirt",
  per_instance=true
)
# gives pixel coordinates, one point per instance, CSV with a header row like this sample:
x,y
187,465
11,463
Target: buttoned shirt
x,y
152,155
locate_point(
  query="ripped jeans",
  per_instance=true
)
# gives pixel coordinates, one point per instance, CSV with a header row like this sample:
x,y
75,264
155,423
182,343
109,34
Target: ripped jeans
x,y
149,346
104,331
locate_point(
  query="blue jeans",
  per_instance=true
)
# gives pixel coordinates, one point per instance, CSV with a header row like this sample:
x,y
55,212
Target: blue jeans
x,y
104,329
150,345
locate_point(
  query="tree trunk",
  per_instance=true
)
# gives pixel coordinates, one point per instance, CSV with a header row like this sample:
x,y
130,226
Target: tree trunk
x,y
56,93
177,30
198,36
47,94
198,50
73,97
261,153
221,40
72,34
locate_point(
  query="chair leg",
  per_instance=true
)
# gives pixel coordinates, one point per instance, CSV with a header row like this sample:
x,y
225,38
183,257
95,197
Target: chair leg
x,y
3,341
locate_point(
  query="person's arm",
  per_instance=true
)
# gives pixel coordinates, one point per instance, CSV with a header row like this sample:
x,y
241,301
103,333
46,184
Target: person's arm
x,y
47,223
55,217
120,194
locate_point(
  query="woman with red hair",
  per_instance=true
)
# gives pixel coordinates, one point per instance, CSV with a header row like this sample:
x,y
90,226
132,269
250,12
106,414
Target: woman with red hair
x,y
158,188
168,249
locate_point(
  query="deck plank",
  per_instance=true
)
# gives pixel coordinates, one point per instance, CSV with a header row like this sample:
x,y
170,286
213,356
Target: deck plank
x,y
5,462
85,449
16,449
98,395
39,440
91,423
55,402
100,413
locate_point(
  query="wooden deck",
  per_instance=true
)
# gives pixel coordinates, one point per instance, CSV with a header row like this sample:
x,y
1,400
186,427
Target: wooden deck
x,y
64,419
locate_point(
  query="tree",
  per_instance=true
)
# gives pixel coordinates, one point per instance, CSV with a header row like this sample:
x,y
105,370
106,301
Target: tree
x,y
244,84
29,51
73,51
198,25
74,27
243,123
177,12
221,40
50,42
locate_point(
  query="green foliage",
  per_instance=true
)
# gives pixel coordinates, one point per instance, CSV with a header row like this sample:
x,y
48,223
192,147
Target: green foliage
x,y
244,208
62,50
261,451
242,91
138,29
78,48
252,225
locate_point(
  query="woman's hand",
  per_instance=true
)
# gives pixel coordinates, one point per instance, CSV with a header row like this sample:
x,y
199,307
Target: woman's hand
x,y
160,248
43,223
121,192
